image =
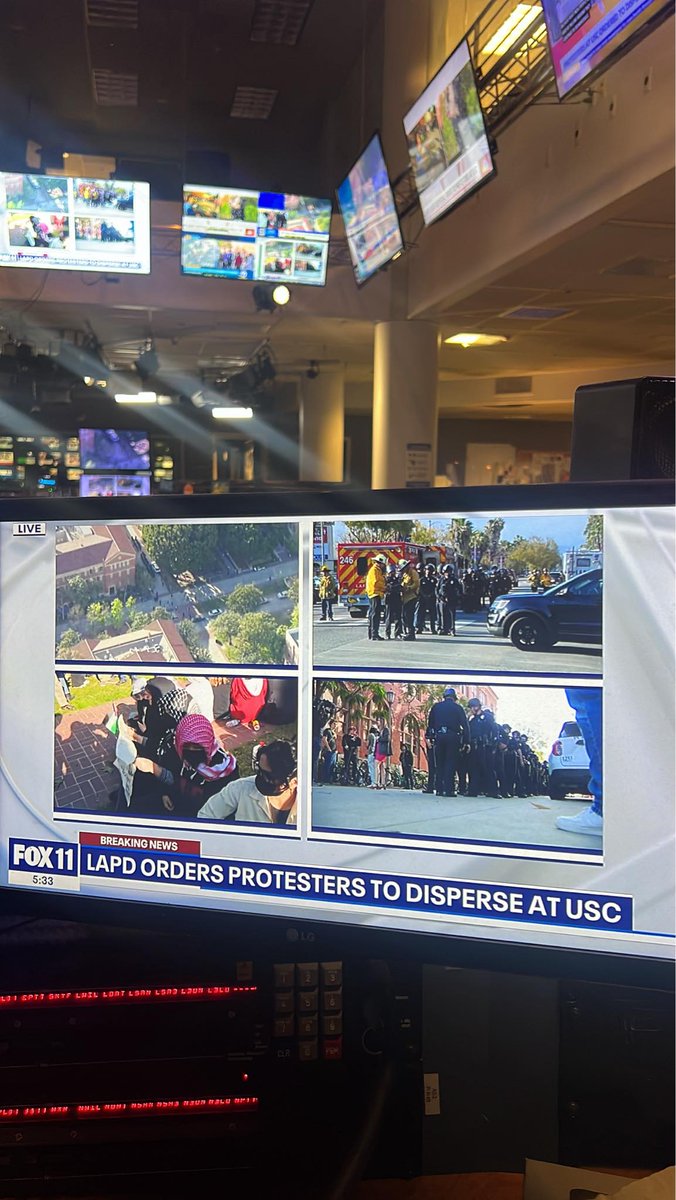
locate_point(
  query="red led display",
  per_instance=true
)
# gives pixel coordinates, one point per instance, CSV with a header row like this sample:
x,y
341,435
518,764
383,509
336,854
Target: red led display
x,y
103,1110
137,995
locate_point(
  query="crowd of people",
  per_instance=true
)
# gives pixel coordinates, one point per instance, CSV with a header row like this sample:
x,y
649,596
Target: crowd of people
x,y
407,598
104,194
173,765
468,753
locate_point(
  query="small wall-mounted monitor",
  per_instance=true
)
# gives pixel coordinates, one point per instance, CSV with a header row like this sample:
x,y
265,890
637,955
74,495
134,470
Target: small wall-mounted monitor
x,y
114,450
70,224
447,138
369,213
584,38
237,234
114,485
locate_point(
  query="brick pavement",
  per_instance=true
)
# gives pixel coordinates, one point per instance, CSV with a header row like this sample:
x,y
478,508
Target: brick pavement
x,y
84,751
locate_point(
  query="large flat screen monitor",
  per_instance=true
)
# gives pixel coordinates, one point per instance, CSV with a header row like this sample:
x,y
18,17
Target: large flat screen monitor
x,y
585,37
239,234
369,213
114,450
447,140
71,224
198,712
110,484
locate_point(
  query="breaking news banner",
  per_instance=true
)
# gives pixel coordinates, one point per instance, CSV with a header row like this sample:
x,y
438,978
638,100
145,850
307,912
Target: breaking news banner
x,y
31,862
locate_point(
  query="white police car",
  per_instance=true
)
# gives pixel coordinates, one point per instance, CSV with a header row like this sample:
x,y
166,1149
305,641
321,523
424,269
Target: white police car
x,y
568,763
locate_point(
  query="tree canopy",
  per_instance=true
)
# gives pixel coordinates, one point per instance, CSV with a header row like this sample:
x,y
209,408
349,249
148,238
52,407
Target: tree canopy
x,y
245,598
593,533
258,640
533,554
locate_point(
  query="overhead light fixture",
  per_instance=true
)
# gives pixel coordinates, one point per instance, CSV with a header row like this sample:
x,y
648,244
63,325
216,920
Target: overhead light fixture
x,y
518,21
232,412
475,339
137,398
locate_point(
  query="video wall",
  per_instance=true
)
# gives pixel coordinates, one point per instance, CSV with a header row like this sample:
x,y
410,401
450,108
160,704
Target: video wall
x,y
450,722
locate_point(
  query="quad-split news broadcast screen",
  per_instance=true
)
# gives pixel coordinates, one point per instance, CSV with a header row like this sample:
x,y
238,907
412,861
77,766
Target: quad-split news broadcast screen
x,y
72,224
584,37
240,234
369,213
447,140
454,719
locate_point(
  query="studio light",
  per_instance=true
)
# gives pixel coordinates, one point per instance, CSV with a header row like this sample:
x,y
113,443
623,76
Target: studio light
x,y
281,294
137,398
516,24
232,412
267,296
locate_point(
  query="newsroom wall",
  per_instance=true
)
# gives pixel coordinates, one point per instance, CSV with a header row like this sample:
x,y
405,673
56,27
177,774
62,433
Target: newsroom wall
x,y
453,438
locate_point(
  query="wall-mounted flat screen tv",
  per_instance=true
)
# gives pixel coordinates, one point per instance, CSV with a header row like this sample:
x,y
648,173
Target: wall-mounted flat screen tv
x,y
71,224
238,234
447,139
110,484
369,213
114,450
584,37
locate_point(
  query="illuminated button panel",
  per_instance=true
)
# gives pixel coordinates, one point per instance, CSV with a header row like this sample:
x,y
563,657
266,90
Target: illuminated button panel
x,y
308,1011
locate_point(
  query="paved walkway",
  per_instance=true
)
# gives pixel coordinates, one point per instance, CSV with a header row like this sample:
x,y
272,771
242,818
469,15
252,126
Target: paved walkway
x,y
473,818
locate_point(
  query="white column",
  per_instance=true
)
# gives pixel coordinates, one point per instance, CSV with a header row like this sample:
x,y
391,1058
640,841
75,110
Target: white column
x,y
405,402
322,426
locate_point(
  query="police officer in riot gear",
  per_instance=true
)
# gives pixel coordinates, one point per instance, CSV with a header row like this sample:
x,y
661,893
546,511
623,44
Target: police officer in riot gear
x,y
393,602
427,600
449,592
483,738
448,723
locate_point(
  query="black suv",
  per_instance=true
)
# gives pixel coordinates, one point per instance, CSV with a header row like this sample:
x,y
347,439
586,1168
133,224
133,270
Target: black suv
x,y
567,612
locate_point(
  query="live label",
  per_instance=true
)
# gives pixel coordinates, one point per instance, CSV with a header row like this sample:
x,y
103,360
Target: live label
x,y
29,529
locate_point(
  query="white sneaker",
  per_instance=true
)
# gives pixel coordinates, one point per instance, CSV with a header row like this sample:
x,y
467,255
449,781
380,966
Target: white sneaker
x,y
587,821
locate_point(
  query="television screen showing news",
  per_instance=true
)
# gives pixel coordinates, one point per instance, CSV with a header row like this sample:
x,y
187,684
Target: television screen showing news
x,y
583,37
114,485
71,224
240,234
454,722
447,141
369,213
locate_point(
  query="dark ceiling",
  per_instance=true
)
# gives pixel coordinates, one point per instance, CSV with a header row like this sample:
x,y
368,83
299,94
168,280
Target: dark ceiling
x,y
171,68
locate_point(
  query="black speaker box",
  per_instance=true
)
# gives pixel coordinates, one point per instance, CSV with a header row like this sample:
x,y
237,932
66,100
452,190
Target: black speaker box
x,y
624,430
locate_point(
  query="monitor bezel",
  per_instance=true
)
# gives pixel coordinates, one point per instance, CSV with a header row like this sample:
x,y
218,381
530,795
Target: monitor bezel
x,y
252,282
325,937
383,266
489,138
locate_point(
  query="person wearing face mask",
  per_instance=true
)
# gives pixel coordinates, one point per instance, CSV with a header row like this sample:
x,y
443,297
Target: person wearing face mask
x,y
267,798
198,767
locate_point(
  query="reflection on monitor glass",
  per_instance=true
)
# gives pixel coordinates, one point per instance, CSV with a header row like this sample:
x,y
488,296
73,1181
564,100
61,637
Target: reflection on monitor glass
x,y
584,37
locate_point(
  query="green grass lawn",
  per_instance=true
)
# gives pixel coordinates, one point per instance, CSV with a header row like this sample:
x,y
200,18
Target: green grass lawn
x,y
92,692
285,733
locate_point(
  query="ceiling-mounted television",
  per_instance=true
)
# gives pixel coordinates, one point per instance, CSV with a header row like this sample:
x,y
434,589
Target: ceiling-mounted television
x,y
235,233
508,789
448,144
111,484
370,215
72,224
584,38
114,450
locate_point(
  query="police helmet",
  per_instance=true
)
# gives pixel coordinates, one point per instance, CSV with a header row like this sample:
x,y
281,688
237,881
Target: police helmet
x,y
474,702
450,693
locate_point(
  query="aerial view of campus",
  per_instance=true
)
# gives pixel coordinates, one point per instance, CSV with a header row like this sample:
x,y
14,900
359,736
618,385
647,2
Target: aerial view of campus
x,y
221,593
516,594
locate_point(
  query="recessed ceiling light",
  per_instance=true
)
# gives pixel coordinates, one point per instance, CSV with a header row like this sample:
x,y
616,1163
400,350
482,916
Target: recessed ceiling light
x,y
136,398
475,339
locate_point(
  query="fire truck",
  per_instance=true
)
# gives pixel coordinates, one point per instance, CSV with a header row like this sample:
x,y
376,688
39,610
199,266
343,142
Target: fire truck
x,y
354,559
